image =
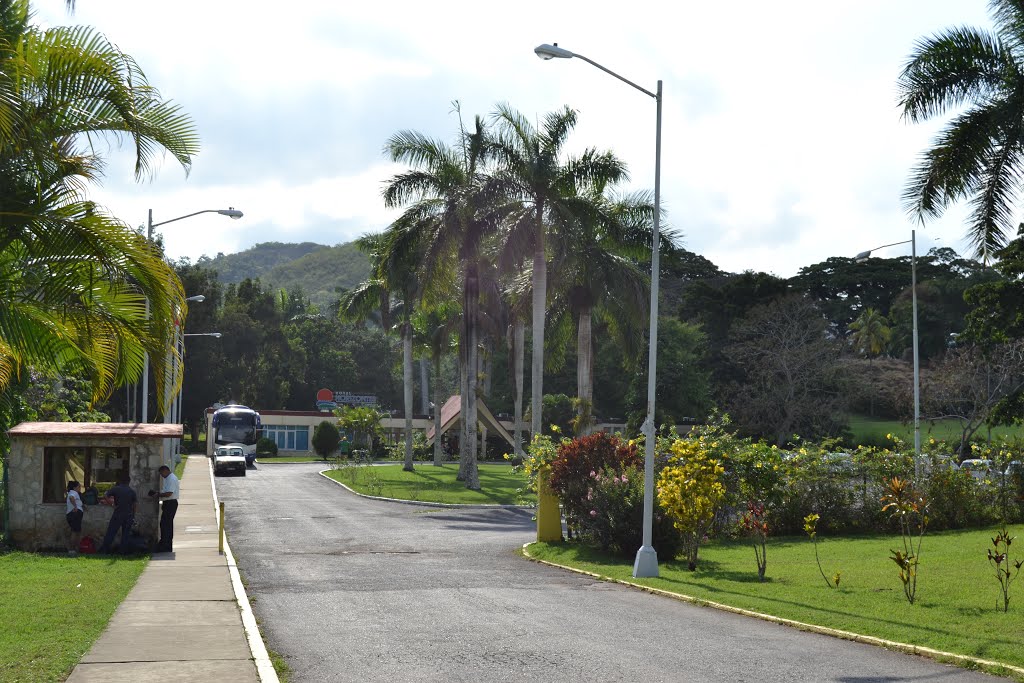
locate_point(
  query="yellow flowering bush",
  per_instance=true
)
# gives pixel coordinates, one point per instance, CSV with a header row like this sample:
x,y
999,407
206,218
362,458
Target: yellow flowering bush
x,y
690,490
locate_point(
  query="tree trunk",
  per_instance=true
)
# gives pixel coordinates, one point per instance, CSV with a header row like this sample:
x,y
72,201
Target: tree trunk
x,y
584,374
407,377
486,362
472,473
424,387
540,282
463,406
518,354
438,450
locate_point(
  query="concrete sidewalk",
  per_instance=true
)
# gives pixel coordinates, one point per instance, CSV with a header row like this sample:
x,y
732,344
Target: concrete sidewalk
x,y
181,621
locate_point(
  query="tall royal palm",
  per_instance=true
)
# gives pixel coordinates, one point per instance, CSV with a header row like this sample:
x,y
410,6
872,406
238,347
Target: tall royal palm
x,y
74,278
551,189
979,156
393,274
446,195
598,273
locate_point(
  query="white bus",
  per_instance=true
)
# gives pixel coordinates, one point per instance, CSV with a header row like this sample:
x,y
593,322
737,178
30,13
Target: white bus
x,y
235,425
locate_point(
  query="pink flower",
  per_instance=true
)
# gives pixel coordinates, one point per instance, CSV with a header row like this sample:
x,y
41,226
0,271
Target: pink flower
x,y
624,480
590,495
593,513
593,473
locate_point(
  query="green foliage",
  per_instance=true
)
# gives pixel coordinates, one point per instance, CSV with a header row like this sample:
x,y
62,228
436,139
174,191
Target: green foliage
x,y
266,446
499,484
557,414
362,422
257,261
870,333
325,439
683,387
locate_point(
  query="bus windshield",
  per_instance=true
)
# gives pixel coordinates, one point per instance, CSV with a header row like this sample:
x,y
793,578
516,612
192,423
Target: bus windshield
x,y
236,429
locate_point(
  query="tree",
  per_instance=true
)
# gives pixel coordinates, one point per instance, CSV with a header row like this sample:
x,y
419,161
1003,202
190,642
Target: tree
x,y
683,387
552,191
870,333
325,439
596,274
449,205
790,381
362,422
971,382
434,328
979,156
75,279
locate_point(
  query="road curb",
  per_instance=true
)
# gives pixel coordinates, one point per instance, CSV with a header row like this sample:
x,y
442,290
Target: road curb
x,y
906,648
482,506
264,667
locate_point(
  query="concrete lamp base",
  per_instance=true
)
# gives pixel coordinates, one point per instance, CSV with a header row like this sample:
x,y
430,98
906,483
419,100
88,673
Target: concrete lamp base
x,y
646,563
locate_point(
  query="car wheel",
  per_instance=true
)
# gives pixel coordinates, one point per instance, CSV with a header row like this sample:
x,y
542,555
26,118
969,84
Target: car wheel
x,y
243,473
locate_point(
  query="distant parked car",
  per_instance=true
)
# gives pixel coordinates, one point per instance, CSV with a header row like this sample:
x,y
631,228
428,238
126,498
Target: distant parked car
x,y
980,468
229,458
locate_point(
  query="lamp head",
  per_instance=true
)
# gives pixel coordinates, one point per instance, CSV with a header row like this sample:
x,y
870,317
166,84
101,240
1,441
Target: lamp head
x,y
546,52
231,212
216,335
862,256
198,298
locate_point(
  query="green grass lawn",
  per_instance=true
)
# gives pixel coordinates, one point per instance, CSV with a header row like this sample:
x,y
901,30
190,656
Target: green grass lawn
x,y
955,609
54,608
498,484
866,430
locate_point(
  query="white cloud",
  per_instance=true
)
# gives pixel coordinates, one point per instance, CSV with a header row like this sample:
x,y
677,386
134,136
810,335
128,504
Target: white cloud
x,y
782,139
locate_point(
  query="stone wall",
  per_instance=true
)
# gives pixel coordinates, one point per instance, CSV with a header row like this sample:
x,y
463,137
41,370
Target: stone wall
x,y
35,525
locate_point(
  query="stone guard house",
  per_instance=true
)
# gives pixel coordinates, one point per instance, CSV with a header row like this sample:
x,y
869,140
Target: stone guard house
x,y
45,456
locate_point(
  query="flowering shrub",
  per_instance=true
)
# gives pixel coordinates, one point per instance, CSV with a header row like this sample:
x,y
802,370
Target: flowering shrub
x,y
541,452
690,489
575,464
614,521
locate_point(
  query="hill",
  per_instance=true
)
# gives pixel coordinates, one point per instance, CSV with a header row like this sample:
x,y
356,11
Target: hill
x,y
318,269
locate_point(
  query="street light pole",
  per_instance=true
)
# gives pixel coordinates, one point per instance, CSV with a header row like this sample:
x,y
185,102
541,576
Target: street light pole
x,y
232,213
860,258
646,562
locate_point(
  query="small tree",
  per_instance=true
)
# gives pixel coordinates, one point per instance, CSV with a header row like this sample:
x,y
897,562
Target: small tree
x,y
690,489
362,422
325,439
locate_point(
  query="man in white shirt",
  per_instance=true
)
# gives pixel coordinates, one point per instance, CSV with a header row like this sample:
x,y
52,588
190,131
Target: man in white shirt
x,y
169,495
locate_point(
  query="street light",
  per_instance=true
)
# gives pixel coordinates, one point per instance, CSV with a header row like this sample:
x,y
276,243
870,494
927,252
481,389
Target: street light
x,y
646,563
230,212
861,258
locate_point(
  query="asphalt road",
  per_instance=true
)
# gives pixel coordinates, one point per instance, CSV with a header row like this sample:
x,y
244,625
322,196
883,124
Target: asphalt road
x,y
350,589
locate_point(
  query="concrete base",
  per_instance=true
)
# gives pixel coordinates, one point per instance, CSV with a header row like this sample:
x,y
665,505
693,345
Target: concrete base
x,y
646,563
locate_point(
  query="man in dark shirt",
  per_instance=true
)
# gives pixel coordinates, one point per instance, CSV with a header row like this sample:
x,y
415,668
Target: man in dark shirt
x,y
126,504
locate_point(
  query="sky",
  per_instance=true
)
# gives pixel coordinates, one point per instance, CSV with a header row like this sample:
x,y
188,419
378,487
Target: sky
x,y
782,140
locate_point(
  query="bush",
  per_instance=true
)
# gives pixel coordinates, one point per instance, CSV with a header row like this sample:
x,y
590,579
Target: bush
x,y
266,446
325,439
691,489
614,521
578,460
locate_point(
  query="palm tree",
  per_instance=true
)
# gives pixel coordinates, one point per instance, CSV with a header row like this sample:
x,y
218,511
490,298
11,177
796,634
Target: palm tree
x,y
74,278
551,191
392,273
979,156
449,204
870,333
597,274
434,327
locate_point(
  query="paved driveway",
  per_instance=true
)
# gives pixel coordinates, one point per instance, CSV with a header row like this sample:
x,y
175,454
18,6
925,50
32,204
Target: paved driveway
x,y
349,589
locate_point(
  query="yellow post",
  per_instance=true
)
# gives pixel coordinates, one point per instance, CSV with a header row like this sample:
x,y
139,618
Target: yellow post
x,y
549,517
220,542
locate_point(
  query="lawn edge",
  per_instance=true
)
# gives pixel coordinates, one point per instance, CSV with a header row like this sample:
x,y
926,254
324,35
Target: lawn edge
x,y
907,648
427,503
